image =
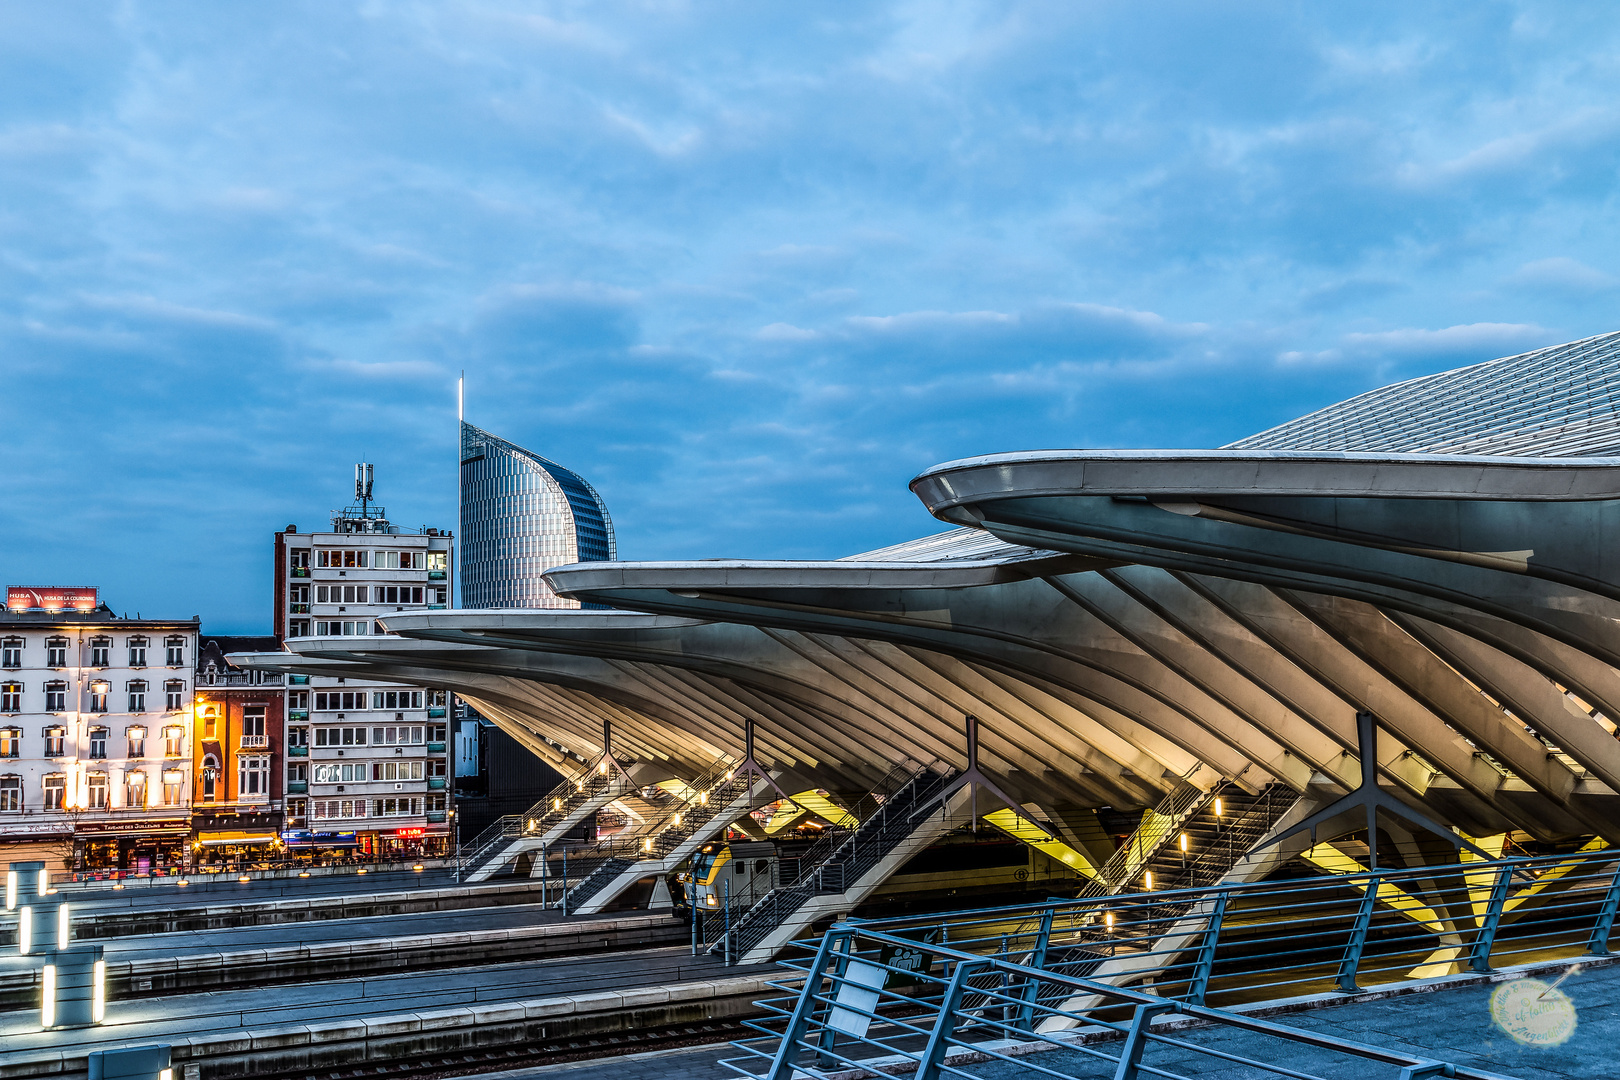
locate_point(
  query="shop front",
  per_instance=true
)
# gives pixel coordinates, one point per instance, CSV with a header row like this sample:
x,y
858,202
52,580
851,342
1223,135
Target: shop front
x,y
240,840
312,845
153,846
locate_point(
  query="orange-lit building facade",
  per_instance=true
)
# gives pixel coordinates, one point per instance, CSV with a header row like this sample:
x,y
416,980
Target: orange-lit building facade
x,y
239,736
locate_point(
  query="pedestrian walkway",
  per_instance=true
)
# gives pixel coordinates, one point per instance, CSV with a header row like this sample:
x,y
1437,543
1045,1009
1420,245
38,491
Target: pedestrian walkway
x,y
1455,1025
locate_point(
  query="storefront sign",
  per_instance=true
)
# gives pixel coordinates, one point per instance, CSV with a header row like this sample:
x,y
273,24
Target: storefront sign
x,y
53,598
408,833
103,827
306,838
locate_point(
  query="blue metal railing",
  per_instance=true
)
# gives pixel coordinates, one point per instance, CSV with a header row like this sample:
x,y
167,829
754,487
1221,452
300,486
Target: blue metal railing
x,y
956,1009
1047,972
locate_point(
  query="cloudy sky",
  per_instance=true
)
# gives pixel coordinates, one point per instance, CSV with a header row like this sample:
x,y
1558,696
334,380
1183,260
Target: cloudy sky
x,y
746,266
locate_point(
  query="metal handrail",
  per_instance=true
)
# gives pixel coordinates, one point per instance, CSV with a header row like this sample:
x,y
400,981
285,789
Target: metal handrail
x,y
848,1015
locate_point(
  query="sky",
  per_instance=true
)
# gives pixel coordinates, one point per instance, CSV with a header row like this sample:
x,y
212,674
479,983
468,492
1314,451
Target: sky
x,y
747,267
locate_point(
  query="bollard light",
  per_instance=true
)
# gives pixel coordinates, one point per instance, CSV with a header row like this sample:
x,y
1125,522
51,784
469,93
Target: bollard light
x,y
117,885
74,991
303,873
361,870
243,879
417,868
182,883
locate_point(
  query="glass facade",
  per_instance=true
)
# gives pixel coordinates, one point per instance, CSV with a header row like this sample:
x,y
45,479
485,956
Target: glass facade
x,y
520,516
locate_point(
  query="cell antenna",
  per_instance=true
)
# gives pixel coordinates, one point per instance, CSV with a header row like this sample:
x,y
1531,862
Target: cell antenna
x,y
362,486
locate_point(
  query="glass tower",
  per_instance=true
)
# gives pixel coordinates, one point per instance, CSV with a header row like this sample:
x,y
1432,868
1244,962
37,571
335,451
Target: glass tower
x,y
520,516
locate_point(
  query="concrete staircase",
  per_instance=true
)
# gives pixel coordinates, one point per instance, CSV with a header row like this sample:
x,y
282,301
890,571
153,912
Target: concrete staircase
x,y
659,850
835,881
547,821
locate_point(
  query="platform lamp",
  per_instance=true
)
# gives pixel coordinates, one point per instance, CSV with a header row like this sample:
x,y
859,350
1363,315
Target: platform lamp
x,y
74,990
131,1063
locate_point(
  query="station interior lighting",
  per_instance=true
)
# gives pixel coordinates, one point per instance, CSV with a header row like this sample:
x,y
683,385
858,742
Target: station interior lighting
x,y
1184,843
11,890
1147,880
25,931
63,923
47,1008
1108,920
1218,810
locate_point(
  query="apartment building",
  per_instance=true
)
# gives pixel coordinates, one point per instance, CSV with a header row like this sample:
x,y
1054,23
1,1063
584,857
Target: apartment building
x,y
95,733
367,765
239,743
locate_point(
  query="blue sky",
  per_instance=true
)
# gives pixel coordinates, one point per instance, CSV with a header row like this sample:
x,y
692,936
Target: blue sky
x,y
746,266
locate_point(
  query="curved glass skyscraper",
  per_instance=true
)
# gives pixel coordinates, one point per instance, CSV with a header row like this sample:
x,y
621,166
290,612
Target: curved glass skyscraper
x,y
520,516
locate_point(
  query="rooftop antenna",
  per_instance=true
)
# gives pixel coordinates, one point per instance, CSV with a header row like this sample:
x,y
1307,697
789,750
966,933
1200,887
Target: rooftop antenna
x,y
362,486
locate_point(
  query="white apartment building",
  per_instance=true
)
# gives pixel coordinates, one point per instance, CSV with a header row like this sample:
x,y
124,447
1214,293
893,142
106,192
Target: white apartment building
x,y
367,762
95,733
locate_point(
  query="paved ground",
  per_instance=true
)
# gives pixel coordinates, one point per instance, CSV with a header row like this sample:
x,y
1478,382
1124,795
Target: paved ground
x,y
224,888
160,1019
1453,1025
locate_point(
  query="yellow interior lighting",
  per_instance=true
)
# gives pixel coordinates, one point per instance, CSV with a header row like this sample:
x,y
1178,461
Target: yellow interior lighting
x,y
1022,828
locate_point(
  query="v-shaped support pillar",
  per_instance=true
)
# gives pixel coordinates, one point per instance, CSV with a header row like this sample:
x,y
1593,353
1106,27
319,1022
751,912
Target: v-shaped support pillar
x,y
1371,798
607,757
970,776
750,765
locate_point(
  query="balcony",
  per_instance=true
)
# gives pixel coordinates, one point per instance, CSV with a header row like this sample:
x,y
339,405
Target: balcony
x,y
436,575
437,783
298,680
300,571
255,742
298,751
298,609
297,787
436,817
436,713
298,714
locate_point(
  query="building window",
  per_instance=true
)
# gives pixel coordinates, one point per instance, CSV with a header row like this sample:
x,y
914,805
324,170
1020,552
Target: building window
x,y
137,696
343,594
98,696
11,794
252,775
396,770
10,742
298,736
347,628
56,697
95,790
324,809
55,742
297,808
396,699
340,701
298,628
436,802
298,770
253,736
355,773
436,699
137,741
441,595
210,719
175,651
56,652
100,650
345,559
174,785
98,742
11,653
396,807
55,786
404,735
340,736
210,777
399,594
135,790
172,737
137,652
174,693
11,697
